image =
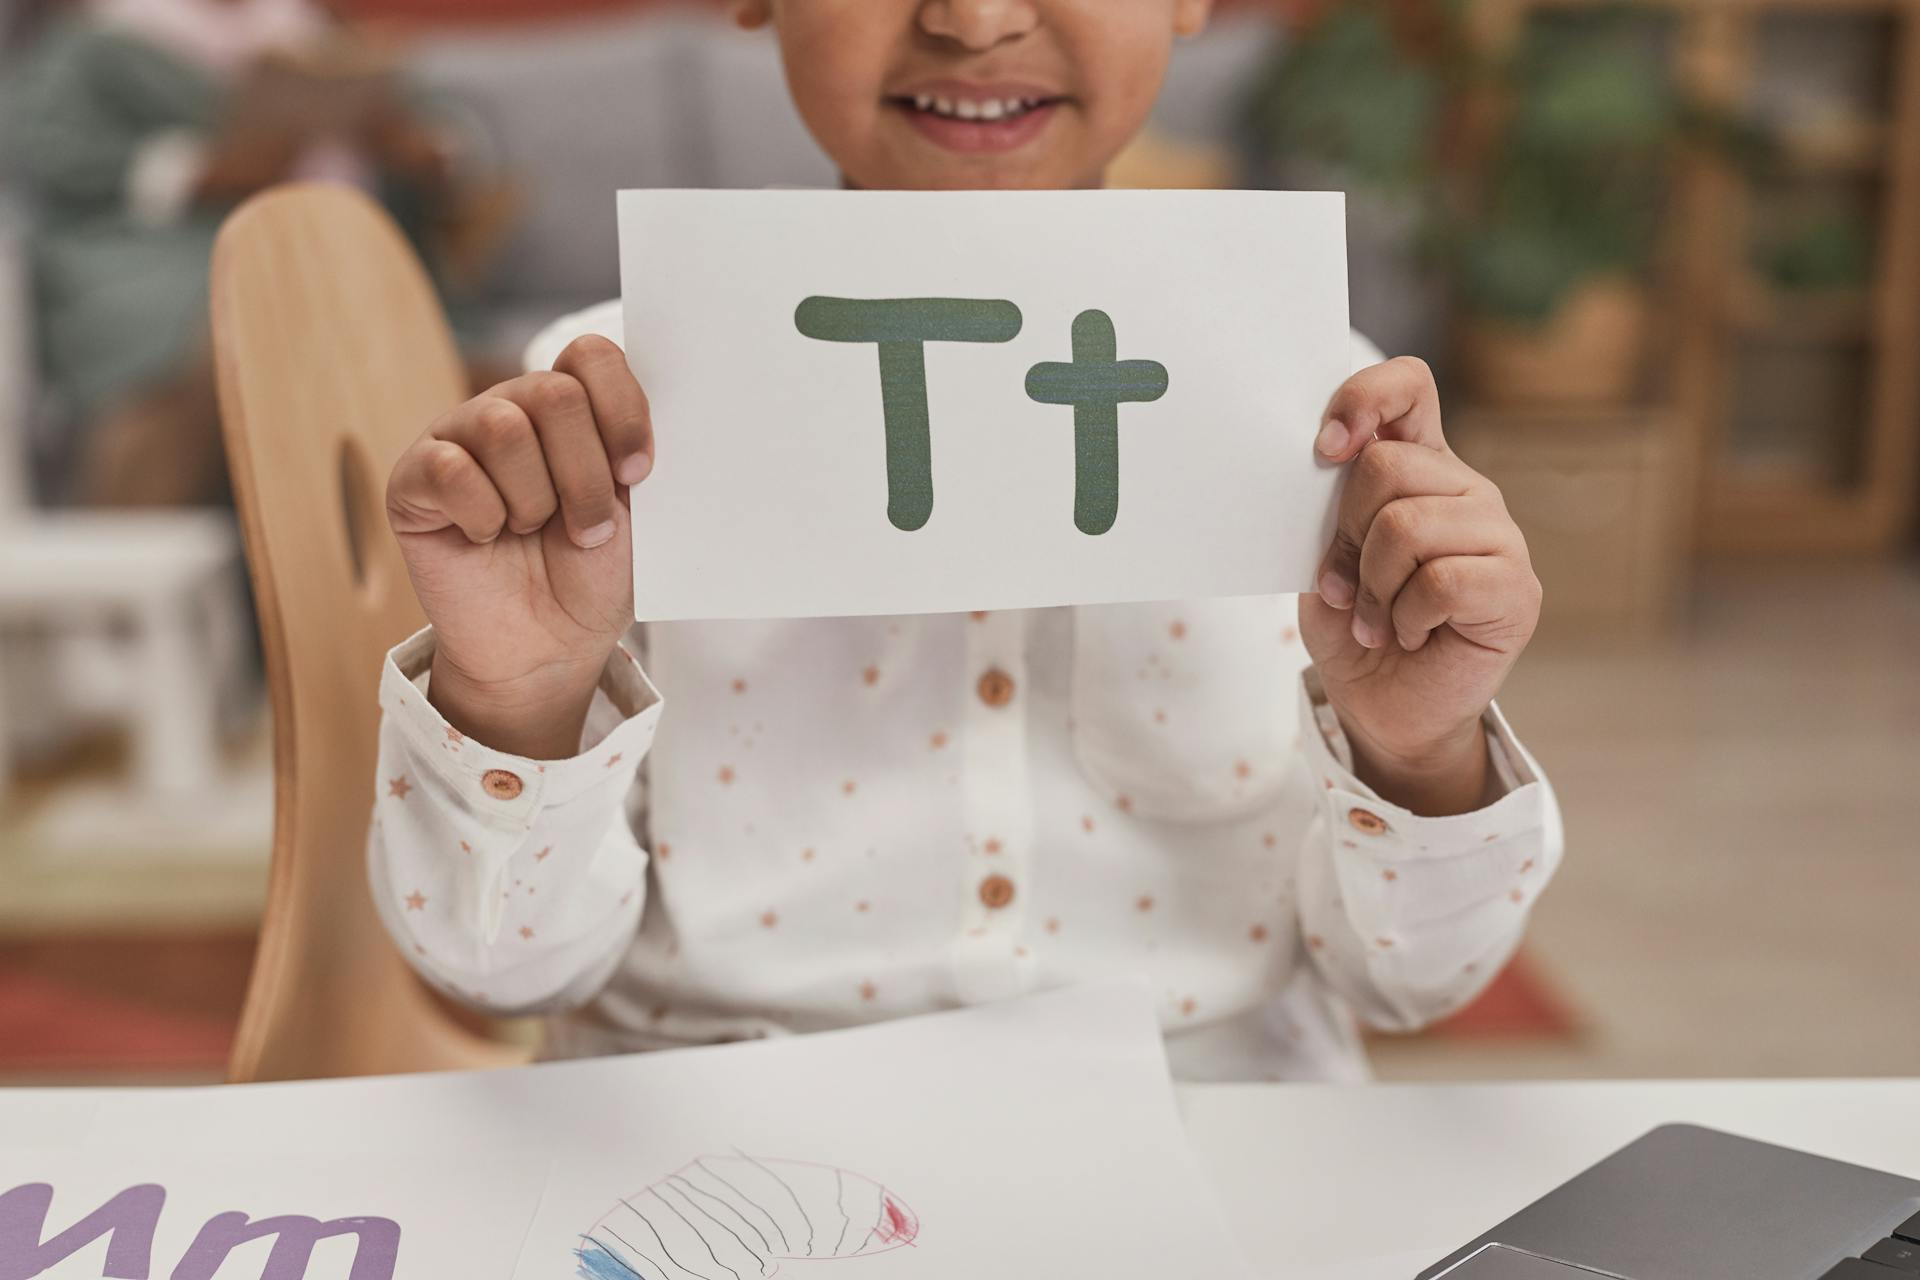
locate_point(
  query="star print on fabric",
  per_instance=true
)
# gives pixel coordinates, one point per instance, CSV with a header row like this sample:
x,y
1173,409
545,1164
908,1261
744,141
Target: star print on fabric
x,y
416,901
1269,840
1389,875
1053,925
992,845
613,760
739,686
1315,942
978,615
938,740
1242,770
398,787
1187,1007
848,787
465,847
1144,903
1159,717
1383,943
526,932
863,906
725,775
806,855
1178,630
1517,896
1493,839
1258,933
768,919
871,676
1124,804
544,854
663,851
1289,634
1086,824
868,991
626,897
1526,866
454,735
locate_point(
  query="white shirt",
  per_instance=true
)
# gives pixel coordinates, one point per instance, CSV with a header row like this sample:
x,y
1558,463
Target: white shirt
x,y
862,818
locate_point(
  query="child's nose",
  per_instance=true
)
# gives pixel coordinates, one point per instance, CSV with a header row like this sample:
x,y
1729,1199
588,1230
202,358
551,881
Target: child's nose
x,y
979,24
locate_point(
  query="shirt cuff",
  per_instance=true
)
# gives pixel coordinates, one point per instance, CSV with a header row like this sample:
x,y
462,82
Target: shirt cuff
x,y
1359,816
165,171
508,790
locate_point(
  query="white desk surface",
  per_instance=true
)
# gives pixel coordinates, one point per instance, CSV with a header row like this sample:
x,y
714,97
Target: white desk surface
x,y
1317,1175
1313,1175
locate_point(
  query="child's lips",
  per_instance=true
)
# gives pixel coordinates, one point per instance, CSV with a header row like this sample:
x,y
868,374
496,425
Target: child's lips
x,y
989,130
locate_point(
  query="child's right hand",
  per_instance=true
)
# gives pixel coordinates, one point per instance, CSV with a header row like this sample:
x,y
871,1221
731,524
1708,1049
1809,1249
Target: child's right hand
x,y
511,513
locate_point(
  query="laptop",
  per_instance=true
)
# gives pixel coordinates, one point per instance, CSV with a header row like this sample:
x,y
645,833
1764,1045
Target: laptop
x,y
1686,1203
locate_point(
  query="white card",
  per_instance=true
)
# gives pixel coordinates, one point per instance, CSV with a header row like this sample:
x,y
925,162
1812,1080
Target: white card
x,y
925,402
73,1213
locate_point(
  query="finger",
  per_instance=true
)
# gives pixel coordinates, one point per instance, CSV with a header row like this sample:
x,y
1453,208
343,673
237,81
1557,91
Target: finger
x,y
1396,400
562,417
499,436
1410,532
437,484
1384,471
1492,601
620,407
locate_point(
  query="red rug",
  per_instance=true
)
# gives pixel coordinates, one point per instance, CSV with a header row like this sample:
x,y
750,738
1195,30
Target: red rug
x,y
53,1026
1518,1003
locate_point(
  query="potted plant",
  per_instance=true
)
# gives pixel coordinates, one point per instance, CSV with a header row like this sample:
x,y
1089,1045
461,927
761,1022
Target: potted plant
x,y
1538,174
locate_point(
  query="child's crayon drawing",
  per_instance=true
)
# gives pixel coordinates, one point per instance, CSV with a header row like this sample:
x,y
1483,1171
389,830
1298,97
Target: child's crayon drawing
x,y
739,1216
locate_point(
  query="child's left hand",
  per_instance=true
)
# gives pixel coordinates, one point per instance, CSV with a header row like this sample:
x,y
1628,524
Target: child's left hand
x,y
1426,597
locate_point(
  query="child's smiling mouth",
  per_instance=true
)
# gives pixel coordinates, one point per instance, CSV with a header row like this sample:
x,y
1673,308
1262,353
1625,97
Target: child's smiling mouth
x,y
977,118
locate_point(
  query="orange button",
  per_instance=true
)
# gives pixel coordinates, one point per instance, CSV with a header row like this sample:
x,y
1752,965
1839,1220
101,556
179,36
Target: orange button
x,y
1371,823
500,784
996,688
996,892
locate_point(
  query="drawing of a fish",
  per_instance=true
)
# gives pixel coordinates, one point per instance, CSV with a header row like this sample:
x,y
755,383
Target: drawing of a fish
x,y
738,1216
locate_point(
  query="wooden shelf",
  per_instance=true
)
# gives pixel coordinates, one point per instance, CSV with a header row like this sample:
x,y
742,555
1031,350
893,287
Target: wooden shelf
x,y
1761,312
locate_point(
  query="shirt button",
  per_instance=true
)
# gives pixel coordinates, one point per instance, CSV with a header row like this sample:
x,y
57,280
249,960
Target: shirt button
x,y
996,688
996,892
500,784
1370,823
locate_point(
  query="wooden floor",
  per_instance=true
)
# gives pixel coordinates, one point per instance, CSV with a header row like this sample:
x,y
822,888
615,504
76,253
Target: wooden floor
x,y
1741,894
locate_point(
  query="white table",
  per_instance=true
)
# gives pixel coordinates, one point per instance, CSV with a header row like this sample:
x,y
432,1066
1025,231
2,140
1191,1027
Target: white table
x,y
1313,1175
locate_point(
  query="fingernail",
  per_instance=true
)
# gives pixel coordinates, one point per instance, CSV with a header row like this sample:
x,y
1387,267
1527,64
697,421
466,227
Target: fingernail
x,y
634,468
1336,590
596,536
1333,438
1364,633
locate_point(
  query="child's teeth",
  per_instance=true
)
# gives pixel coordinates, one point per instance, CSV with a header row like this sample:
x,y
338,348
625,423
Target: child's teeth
x,y
943,106
992,110
924,102
969,110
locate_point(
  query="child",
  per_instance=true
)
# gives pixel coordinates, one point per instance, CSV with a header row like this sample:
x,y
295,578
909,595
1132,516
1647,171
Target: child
x,y
1278,813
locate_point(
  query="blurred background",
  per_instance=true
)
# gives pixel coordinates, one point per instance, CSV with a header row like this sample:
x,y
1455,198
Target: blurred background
x,y
1665,259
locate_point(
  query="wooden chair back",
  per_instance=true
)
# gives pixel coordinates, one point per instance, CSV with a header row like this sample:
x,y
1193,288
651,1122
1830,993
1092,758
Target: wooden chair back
x,y
333,353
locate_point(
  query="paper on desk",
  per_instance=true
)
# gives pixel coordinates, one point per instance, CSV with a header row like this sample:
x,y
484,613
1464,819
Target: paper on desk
x,y
73,1213
1033,1138
1118,402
